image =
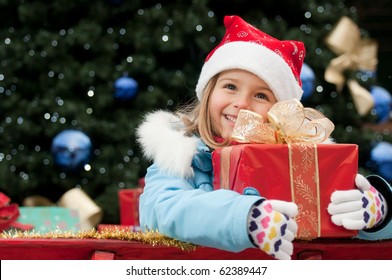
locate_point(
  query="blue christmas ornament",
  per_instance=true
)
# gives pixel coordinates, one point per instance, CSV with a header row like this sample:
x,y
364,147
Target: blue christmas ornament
x,y
381,156
382,103
125,88
307,78
71,150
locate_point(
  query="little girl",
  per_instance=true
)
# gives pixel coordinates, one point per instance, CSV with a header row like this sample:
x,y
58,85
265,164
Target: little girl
x,y
247,70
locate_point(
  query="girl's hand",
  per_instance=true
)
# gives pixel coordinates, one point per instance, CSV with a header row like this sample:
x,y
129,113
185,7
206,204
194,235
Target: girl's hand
x,y
358,209
272,227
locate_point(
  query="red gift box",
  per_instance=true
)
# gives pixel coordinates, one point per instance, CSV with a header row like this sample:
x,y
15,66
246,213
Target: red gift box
x,y
304,173
129,206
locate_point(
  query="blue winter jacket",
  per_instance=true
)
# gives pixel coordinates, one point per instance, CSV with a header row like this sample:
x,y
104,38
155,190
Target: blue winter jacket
x,y
178,198
188,209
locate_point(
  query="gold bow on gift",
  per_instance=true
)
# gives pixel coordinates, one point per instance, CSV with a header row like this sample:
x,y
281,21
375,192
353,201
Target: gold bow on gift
x,y
288,122
354,54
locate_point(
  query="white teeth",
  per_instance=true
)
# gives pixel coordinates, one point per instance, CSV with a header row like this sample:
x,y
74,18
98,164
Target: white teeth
x,y
231,118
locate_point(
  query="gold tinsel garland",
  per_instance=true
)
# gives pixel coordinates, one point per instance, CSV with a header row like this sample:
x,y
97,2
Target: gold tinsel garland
x,y
153,238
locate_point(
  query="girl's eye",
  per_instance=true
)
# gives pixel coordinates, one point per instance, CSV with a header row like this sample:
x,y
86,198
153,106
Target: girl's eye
x,y
230,86
262,96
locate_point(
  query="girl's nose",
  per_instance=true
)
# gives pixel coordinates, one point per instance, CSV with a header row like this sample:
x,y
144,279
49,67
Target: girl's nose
x,y
242,101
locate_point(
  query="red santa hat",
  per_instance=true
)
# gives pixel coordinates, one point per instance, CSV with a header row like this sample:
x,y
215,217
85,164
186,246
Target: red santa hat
x,y
245,47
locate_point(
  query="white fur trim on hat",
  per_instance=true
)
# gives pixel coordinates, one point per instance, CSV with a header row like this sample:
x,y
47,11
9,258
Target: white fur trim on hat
x,y
257,59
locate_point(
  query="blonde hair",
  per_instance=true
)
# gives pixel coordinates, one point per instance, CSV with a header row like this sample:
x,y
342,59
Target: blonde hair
x,y
197,118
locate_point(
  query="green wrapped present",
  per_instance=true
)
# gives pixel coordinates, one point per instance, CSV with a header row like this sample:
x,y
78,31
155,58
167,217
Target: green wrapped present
x,y
48,219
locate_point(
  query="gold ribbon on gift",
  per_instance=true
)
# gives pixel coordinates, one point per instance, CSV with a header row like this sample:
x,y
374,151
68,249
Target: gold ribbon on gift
x,y
301,128
288,122
354,53
90,214
305,189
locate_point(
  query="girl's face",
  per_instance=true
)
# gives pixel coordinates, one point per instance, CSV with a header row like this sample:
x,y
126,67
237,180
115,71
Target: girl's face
x,y
236,90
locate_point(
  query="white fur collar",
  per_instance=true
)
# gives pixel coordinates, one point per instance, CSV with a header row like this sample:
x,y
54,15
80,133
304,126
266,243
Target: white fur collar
x,y
163,141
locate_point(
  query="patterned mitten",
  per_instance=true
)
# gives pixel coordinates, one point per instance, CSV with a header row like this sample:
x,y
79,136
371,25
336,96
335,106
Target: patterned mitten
x,y
271,227
362,208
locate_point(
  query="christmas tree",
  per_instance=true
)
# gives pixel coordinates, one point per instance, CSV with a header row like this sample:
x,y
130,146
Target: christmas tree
x,y
96,68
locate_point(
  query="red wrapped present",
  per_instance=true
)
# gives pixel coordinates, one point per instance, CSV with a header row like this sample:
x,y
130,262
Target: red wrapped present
x,y
290,165
305,174
129,206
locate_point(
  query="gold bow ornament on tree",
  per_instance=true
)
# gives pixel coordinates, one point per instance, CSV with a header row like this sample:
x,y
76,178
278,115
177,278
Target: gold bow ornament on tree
x,y
354,53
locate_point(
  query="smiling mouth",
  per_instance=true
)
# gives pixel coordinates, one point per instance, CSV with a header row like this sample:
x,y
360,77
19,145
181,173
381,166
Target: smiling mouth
x,y
231,118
